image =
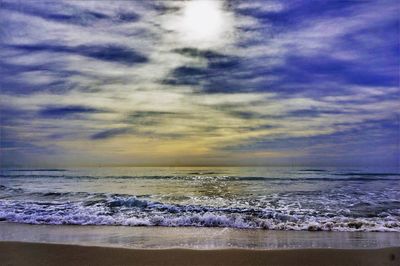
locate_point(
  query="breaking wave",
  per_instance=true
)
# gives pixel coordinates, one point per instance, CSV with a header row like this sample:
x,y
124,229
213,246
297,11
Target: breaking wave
x,y
278,212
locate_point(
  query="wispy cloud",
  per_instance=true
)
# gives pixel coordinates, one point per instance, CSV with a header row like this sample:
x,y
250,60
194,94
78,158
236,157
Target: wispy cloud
x,y
110,133
130,82
65,111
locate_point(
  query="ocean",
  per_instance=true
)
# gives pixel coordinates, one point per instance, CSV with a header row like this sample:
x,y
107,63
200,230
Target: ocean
x,y
271,198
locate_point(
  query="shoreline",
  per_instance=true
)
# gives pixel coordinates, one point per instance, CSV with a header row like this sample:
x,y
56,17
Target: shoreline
x,y
25,253
194,237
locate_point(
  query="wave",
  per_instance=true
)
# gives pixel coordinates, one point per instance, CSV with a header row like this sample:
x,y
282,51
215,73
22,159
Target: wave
x,y
84,208
76,215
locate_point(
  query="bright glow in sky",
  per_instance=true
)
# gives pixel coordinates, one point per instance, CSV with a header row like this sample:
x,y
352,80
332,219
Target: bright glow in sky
x,y
203,23
199,82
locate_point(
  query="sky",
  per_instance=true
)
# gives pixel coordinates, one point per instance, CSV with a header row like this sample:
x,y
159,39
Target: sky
x,y
213,83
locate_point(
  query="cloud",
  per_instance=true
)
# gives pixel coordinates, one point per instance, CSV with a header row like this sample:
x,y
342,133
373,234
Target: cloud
x,y
217,76
82,17
284,79
110,53
67,13
66,111
150,118
110,133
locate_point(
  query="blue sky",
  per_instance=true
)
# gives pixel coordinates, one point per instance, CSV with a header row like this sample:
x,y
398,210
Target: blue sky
x,y
88,83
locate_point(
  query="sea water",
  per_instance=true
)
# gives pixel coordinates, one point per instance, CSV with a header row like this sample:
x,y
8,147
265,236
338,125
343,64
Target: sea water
x,y
273,198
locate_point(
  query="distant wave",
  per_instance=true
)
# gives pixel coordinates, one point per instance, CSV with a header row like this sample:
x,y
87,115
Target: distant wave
x,y
336,177
204,173
34,170
367,174
313,170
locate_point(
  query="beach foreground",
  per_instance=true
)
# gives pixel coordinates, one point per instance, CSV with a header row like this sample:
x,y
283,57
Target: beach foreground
x,y
20,253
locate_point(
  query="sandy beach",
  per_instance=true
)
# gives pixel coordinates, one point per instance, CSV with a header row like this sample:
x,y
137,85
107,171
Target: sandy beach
x,y
19,253
23,244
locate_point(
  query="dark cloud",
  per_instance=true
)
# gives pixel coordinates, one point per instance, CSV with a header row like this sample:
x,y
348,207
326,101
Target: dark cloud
x,y
211,78
145,114
186,75
245,114
69,14
111,53
301,113
149,118
214,59
313,112
12,116
57,12
11,141
57,69
12,83
128,17
67,111
110,133
161,7
294,12
222,74
299,73
368,45
362,134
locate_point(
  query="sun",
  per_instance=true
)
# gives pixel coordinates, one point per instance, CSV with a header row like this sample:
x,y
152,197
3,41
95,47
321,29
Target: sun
x,y
203,23
202,19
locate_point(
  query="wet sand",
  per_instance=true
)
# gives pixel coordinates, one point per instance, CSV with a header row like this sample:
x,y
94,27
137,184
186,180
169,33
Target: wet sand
x,y
22,253
150,237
